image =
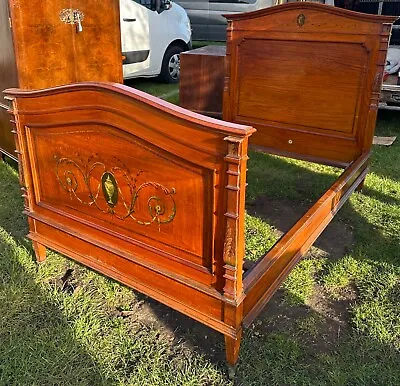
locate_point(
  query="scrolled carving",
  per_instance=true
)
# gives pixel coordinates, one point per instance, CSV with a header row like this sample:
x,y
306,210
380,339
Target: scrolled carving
x,y
113,191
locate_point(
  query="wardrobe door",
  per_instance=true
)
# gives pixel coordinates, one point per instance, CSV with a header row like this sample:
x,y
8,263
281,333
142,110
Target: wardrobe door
x,y
8,78
98,55
43,43
66,41
56,42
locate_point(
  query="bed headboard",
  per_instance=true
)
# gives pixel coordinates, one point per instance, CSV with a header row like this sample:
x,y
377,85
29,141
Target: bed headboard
x,y
307,76
130,173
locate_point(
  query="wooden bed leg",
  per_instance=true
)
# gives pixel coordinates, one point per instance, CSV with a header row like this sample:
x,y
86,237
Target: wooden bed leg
x,y
232,347
40,251
361,185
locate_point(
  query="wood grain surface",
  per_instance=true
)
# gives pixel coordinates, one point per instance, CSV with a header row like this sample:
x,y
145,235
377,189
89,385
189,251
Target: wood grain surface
x,y
308,77
39,50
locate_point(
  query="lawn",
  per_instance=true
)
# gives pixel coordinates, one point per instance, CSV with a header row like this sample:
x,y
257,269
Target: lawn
x,y
335,320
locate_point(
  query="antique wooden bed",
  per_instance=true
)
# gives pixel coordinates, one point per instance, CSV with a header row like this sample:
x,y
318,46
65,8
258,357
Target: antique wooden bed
x,y
153,195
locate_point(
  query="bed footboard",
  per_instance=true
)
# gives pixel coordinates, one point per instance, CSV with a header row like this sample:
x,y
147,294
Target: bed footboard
x,y
143,191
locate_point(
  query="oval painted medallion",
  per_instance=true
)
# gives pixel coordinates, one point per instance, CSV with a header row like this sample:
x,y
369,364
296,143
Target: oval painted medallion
x,y
110,189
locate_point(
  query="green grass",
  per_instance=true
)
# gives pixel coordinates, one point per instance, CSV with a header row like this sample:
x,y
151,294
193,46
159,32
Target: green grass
x,y
299,285
56,330
260,237
168,92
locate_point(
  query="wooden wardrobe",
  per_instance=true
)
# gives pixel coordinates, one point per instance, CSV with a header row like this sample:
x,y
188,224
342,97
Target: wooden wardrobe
x,y
50,43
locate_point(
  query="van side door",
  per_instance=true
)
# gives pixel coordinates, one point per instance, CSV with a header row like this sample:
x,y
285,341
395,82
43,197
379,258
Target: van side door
x,y
135,35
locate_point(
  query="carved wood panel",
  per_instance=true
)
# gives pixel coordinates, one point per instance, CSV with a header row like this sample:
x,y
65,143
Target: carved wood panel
x,y
125,183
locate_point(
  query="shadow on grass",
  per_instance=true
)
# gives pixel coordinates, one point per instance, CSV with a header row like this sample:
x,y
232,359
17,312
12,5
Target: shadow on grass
x,y
379,196
37,347
299,345
385,160
283,198
303,344
288,345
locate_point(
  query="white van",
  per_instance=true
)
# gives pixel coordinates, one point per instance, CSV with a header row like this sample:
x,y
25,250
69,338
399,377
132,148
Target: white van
x,y
153,34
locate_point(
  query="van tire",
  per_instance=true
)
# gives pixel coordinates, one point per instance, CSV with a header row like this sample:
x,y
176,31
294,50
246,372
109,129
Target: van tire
x,y
170,69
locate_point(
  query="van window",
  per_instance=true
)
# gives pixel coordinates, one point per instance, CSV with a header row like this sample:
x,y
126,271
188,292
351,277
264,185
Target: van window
x,y
153,5
146,3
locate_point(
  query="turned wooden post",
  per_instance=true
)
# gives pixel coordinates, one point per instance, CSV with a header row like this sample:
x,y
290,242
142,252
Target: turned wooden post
x,y
236,160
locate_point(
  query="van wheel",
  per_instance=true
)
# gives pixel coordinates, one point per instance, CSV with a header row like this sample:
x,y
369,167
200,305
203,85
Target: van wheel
x,y
171,65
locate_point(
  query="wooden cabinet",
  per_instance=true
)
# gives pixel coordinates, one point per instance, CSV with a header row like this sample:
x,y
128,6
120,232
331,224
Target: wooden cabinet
x,y
50,43
202,80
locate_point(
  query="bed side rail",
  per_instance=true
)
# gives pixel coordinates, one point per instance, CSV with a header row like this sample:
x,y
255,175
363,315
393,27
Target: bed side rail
x,y
264,279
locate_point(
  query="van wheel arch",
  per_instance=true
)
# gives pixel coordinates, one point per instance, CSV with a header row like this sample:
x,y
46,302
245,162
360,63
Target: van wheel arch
x,y
179,43
170,68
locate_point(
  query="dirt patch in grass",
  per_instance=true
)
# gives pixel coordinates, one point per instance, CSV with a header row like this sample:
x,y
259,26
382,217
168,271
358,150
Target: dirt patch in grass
x,y
336,310
336,241
174,327
182,333
321,324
